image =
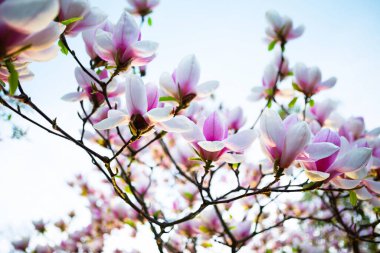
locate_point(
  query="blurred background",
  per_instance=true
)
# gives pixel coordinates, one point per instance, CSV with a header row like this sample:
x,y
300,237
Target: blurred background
x,y
341,37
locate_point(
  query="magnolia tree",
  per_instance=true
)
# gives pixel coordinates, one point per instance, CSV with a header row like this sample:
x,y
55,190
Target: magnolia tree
x,y
173,165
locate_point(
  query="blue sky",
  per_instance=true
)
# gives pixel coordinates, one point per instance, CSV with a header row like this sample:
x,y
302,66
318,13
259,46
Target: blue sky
x,y
341,37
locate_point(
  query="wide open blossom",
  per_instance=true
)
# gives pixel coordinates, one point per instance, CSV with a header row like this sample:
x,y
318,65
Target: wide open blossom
x,y
212,142
283,141
91,90
330,156
142,7
309,80
281,28
27,29
90,16
123,48
183,83
142,111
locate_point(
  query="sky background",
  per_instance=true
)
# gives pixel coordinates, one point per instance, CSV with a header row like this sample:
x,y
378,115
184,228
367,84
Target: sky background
x,y
341,37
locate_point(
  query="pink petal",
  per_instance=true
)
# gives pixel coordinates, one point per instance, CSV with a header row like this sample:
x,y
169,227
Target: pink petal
x,y
344,183
136,97
214,127
126,32
272,130
372,185
296,138
241,140
188,73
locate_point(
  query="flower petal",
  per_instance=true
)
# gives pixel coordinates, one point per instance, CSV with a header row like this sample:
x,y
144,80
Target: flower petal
x,y
319,150
363,194
28,16
160,114
103,46
272,130
168,85
316,176
241,140
112,122
206,89
145,48
135,95
178,124
352,160
211,146
344,183
372,185
232,158
126,32
188,73
74,96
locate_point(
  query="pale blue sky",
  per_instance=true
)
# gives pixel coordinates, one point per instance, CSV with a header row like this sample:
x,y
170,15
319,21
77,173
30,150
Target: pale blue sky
x,y
341,37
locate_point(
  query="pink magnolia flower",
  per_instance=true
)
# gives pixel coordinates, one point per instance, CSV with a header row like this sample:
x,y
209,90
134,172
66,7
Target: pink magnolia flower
x,y
90,35
242,230
91,90
27,29
21,244
322,110
142,7
22,69
213,142
183,83
281,28
90,17
142,111
309,80
269,81
330,156
283,141
122,47
353,129
235,118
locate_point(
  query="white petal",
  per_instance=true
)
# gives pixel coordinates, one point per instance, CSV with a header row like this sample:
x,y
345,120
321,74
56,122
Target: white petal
x,y
136,97
178,124
317,151
28,16
160,114
344,183
316,176
207,88
145,48
116,113
363,194
211,146
168,85
112,122
103,45
272,129
241,140
256,93
188,71
195,134
372,185
352,160
232,158
74,96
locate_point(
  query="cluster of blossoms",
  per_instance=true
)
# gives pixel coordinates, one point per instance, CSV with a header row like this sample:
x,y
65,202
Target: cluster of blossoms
x,y
188,171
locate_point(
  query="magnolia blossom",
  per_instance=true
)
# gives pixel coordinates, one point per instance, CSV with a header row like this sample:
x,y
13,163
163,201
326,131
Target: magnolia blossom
x,y
91,90
183,83
27,29
22,69
21,244
283,141
281,28
90,34
353,129
322,110
142,112
122,47
309,80
330,156
89,17
142,7
235,118
213,143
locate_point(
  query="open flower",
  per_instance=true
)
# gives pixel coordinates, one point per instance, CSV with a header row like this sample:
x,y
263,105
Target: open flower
x,y
330,156
92,90
142,7
213,143
88,17
283,141
309,80
281,28
183,83
142,113
122,47
27,29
